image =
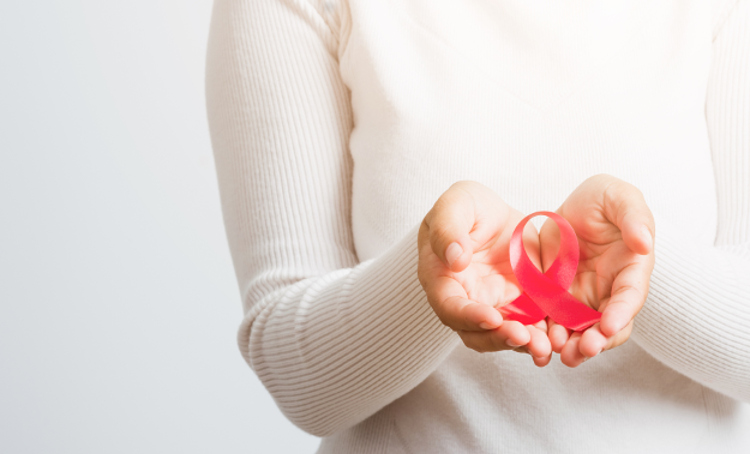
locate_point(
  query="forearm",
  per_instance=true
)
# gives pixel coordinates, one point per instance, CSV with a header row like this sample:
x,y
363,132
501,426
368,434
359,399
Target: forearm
x,y
336,348
696,316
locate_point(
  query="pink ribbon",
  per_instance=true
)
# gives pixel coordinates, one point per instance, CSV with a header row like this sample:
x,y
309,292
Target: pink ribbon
x,y
546,295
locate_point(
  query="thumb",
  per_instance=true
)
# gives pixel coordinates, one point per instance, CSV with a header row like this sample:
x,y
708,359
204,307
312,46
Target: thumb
x,y
450,221
626,207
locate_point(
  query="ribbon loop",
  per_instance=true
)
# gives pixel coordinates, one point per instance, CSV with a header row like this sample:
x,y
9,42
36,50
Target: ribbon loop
x,y
547,294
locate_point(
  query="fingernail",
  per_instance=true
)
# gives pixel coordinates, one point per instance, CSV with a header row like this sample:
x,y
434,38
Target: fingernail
x,y
485,325
510,344
452,253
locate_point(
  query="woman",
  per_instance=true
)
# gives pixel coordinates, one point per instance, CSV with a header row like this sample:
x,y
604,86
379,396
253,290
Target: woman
x,y
336,127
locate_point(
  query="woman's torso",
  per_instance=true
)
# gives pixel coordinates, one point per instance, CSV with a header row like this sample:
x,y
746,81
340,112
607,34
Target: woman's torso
x,y
531,100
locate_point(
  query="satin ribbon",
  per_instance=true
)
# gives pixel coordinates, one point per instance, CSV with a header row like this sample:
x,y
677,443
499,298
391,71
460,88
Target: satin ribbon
x,y
547,294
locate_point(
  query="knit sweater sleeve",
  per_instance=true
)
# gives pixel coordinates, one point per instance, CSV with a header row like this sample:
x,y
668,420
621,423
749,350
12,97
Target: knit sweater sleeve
x,y
697,315
333,340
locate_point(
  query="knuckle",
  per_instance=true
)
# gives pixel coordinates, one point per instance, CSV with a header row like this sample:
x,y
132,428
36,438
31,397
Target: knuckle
x,y
628,289
441,232
443,203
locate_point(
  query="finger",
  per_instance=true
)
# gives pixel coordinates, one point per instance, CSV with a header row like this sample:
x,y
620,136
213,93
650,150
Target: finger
x,y
638,233
449,222
629,291
510,335
625,206
514,334
558,336
543,356
570,354
593,342
619,338
452,306
539,344
541,362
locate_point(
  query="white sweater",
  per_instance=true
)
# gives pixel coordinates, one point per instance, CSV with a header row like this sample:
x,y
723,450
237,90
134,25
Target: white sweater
x,y
337,124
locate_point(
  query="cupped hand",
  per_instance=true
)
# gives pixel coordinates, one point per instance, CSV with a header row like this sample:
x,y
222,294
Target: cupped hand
x,y
465,270
615,231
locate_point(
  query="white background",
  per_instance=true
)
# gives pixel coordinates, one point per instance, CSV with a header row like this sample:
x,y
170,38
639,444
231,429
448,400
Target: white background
x,y
118,304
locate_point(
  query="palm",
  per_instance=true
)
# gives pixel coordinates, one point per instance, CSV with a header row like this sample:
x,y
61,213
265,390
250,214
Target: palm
x,y
489,278
465,270
613,226
603,256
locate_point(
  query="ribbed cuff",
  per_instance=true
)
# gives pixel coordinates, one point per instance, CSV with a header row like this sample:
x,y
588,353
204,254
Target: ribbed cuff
x,y
342,346
696,316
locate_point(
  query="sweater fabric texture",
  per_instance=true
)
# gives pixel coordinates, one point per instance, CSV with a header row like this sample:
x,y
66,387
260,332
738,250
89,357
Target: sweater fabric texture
x,y
336,124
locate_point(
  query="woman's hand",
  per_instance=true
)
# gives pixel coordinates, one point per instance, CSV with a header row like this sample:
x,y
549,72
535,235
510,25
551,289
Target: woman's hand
x,y
615,232
464,268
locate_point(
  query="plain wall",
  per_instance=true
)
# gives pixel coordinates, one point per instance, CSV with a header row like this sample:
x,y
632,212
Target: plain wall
x,y
118,303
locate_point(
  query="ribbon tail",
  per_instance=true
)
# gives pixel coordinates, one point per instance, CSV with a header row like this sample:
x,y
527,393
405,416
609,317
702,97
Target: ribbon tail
x,y
564,309
523,310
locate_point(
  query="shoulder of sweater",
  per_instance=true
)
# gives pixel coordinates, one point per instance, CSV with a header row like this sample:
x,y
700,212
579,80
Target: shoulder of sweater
x,y
334,14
